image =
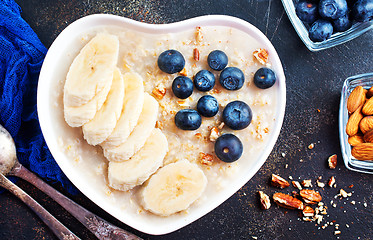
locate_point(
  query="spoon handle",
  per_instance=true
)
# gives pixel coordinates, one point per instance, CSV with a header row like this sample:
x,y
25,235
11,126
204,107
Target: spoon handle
x,y
58,228
98,226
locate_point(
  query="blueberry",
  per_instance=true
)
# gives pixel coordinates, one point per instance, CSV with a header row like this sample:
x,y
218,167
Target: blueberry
x,y
217,60
228,148
182,87
362,11
237,115
320,30
188,119
307,11
207,106
232,78
171,61
332,9
204,80
264,78
342,24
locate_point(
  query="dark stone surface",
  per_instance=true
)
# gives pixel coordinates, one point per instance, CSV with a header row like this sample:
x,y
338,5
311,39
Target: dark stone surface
x,y
314,81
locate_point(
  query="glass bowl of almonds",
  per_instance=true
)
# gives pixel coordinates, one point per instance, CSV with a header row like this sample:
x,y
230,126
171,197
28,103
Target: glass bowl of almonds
x,y
356,123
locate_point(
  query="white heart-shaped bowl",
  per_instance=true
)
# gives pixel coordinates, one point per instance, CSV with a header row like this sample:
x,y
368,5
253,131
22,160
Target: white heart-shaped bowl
x,y
52,123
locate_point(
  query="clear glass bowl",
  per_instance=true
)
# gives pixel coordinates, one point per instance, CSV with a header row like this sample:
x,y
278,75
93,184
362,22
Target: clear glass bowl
x,y
365,80
356,30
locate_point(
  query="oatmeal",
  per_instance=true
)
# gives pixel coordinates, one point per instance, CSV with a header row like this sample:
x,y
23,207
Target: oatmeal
x,y
138,53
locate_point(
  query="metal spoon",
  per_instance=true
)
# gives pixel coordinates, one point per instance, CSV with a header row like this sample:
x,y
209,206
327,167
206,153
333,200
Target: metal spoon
x,y
9,165
7,160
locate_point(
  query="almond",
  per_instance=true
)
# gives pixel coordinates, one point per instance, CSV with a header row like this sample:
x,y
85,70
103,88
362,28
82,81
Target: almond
x,y
310,196
352,126
368,136
278,181
363,151
366,124
368,107
356,99
356,139
370,92
287,201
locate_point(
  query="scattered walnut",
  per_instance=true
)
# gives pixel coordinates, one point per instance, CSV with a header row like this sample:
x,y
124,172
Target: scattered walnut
x,y
331,182
261,55
296,184
159,91
184,72
311,146
307,183
310,196
159,124
196,54
221,125
199,36
320,184
214,134
287,201
308,211
344,194
265,203
198,135
278,181
206,159
332,161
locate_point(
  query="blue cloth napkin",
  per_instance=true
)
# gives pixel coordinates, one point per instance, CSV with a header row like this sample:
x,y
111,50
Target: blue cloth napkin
x,y
21,57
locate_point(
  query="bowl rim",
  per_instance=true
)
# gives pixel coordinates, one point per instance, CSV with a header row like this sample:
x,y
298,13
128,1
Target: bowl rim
x,y
108,20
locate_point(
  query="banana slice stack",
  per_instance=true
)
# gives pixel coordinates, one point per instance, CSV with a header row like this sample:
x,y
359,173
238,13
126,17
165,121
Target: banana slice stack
x,y
116,114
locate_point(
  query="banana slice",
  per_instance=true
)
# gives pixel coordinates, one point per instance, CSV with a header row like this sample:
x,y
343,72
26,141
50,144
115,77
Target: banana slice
x,y
140,133
103,123
128,174
77,116
132,106
91,70
173,188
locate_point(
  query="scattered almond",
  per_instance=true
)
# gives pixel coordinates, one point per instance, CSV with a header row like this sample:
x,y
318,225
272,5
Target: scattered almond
x,y
332,161
352,126
287,201
366,124
310,196
363,151
368,107
356,139
370,92
368,136
278,181
265,202
356,99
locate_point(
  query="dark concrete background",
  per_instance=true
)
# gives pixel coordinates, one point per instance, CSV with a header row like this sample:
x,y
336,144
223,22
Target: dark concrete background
x,y
314,81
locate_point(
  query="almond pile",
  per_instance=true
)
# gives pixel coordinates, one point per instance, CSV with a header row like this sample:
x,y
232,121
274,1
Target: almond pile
x,y
359,126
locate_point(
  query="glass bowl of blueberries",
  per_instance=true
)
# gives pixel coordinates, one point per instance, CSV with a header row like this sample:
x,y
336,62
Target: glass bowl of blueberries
x,y
322,24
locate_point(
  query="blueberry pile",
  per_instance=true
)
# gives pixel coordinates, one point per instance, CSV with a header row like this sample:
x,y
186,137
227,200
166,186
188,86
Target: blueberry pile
x,y
236,115
326,17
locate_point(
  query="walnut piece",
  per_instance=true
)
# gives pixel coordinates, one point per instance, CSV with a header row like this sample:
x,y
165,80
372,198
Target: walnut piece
x,y
206,159
331,181
332,161
307,183
296,184
183,72
287,201
214,134
261,55
278,181
265,202
310,196
308,211
159,91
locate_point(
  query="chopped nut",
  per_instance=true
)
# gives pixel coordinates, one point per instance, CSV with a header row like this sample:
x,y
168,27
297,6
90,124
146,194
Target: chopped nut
x,y
214,134
159,124
311,146
296,184
320,184
332,161
337,232
287,201
308,211
261,55
278,181
265,203
183,103
196,54
307,183
199,36
206,159
343,193
331,181
159,91
183,72
310,196
221,125
198,135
